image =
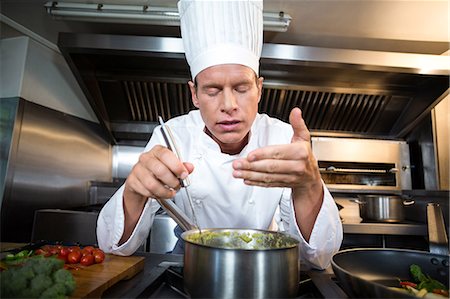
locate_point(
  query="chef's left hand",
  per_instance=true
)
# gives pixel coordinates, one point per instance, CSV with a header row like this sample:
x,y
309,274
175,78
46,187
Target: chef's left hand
x,y
288,165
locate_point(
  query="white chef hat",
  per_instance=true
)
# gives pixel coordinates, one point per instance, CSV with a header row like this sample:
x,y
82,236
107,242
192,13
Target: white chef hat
x,y
218,32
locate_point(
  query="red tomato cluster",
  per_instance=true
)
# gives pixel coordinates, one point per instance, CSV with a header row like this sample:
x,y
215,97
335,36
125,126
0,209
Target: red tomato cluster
x,y
86,256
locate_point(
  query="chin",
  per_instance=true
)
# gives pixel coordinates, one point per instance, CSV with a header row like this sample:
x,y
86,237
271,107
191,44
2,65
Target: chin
x,y
231,138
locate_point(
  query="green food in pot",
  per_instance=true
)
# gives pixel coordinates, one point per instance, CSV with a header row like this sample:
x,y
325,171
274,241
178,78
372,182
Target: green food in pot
x,y
252,240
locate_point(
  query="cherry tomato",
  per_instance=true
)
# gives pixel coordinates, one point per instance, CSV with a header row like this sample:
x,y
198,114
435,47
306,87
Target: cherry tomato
x,y
88,248
99,256
53,250
74,257
87,260
74,248
64,251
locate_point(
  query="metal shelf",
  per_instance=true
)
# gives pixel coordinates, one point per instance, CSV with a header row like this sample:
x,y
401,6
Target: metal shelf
x,y
385,229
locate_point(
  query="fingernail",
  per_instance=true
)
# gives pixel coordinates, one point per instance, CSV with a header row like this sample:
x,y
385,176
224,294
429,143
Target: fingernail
x,y
237,174
238,165
184,175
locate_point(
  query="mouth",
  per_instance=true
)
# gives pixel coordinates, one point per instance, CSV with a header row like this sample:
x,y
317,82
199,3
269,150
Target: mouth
x,y
229,125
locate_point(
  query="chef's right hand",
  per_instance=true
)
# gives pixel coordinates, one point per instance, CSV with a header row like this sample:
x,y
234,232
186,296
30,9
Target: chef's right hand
x,y
156,175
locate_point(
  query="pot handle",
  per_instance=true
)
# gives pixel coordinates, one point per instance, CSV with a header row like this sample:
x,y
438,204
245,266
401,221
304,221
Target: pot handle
x,y
437,236
358,201
408,202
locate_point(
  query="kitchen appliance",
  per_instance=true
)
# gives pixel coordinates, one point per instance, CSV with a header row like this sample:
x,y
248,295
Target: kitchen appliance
x,y
363,164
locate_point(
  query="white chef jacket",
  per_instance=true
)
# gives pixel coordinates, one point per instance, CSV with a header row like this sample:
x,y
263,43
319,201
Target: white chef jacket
x,y
222,201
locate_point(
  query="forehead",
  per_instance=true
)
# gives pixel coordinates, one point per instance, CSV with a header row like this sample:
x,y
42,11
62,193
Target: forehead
x,y
225,73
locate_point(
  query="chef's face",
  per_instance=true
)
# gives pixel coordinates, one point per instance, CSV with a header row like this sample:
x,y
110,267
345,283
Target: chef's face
x,y
227,97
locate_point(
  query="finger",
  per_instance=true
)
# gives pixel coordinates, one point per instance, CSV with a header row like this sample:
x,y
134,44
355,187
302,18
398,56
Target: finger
x,y
269,166
189,167
271,180
170,162
301,132
145,179
292,151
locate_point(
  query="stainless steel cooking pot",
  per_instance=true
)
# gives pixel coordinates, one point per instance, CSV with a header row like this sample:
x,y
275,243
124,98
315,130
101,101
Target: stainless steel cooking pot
x,y
237,263
240,263
382,208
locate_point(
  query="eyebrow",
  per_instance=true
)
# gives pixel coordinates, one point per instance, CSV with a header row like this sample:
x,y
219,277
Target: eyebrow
x,y
218,86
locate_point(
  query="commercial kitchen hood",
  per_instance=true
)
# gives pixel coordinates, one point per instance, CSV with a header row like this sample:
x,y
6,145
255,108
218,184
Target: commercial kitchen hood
x,y
130,80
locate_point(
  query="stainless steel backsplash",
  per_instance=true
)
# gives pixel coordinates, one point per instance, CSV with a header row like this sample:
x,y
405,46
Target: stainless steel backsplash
x,y
53,157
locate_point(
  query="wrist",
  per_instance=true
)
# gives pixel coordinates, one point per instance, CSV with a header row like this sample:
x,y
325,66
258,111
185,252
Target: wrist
x,y
312,193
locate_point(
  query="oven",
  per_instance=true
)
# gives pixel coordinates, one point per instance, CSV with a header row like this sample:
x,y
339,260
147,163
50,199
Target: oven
x,y
360,165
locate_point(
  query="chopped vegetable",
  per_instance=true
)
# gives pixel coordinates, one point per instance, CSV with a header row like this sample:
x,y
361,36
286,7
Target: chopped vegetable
x,y
18,258
245,237
425,281
38,277
423,285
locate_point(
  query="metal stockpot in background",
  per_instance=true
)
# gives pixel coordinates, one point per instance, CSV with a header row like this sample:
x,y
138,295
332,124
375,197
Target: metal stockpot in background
x,y
215,272
382,208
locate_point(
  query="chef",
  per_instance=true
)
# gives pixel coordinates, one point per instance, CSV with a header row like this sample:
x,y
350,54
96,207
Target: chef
x,y
247,170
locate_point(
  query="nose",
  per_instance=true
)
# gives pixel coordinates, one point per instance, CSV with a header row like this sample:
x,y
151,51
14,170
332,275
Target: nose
x,y
229,102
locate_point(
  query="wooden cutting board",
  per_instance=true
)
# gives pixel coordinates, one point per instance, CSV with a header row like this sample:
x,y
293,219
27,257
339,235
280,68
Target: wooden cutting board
x,y
93,280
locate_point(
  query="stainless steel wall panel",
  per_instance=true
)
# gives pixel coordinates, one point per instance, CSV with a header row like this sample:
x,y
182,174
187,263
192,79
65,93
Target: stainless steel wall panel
x,y
56,157
8,112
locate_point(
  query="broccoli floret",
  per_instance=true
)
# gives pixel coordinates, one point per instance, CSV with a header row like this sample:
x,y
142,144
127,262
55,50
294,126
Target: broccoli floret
x,y
27,272
40,283
38,278
65,277
47,266
13,283
17,283
58,290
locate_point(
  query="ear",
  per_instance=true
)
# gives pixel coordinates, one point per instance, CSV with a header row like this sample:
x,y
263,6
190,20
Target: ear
x,y
193,94
260,87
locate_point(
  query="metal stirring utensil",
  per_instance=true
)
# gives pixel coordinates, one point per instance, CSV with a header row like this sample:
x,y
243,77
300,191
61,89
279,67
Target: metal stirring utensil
x,y
170,143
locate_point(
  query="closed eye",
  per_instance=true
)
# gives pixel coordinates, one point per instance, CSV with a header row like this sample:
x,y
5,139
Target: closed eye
x,y
242,88
212,92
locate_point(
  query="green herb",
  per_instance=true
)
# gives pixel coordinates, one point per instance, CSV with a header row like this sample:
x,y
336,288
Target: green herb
x,y
425,281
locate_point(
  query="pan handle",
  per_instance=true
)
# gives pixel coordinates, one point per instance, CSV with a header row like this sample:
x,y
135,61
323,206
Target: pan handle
x,y
437,236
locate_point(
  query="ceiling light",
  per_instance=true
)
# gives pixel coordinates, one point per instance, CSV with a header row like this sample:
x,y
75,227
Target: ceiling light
x,y
142,14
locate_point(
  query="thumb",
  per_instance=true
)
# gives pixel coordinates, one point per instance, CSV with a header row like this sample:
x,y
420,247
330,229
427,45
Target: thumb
x,y
189,167
301,132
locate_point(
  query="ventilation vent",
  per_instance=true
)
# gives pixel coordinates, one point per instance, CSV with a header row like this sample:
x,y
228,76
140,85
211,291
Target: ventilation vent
x,y
325,110
148,100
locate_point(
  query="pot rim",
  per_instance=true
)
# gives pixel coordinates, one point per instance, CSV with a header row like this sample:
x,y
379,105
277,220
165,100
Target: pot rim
x,y
369,196
292,239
